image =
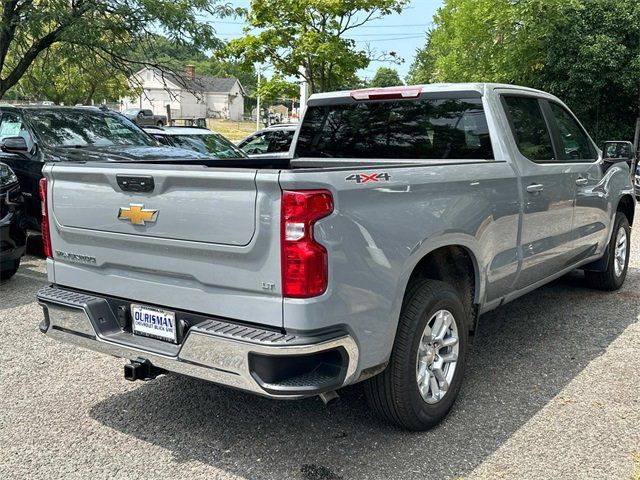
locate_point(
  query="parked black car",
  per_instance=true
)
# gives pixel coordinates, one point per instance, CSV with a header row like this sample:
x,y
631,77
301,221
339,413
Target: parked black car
x,y
32,136
12,233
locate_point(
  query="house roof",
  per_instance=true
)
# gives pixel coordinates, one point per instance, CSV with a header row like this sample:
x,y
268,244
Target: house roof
x,y
202,83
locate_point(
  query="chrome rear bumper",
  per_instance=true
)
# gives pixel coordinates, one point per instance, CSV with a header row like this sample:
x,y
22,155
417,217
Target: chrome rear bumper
x,y
214,350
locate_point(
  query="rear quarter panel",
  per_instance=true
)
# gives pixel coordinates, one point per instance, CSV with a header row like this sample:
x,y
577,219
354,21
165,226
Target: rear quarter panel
x,y
380,230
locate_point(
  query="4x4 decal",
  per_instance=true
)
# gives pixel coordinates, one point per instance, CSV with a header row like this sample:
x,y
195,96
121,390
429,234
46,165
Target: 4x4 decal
x,y
369,177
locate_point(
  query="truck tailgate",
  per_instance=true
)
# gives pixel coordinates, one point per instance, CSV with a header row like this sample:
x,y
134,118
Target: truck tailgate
x,y
203,239
184,205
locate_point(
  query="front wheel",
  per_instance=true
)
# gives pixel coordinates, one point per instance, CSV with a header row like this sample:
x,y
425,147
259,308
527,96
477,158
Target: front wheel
x,y
424,375
617,254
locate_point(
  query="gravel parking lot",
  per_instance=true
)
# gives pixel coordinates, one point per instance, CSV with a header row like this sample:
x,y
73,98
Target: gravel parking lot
x,y
553,391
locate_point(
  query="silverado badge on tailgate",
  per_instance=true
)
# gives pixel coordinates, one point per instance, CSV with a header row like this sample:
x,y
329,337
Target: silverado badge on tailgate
x,y
137,214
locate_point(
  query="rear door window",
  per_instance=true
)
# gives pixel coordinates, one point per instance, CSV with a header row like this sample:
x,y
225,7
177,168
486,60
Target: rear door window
x,y
529,128
429,128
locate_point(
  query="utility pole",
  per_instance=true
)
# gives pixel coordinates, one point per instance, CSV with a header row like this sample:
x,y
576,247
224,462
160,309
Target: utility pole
x,y
636,137
304,92
258,99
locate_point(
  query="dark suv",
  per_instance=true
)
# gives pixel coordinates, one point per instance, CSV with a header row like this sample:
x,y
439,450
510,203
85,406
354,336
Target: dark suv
x,y
32,136
12,235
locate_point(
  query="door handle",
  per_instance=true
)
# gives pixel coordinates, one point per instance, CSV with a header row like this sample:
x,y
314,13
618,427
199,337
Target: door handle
x,y
582,181
535,188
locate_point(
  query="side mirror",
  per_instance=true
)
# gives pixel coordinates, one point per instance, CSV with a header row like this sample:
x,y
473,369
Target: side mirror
x,y
14,144
618,151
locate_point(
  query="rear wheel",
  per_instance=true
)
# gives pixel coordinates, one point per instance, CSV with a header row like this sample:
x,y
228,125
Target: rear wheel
x,y
617,258
9,269
423,378
159,123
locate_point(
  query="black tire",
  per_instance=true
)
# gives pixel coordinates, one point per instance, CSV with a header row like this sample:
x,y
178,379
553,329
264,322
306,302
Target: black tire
x,y
608,279
8,270
160,123
394,393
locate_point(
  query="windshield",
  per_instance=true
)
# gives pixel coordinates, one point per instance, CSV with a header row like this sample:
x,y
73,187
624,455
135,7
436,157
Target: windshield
x,y
212,144
83,128
423,129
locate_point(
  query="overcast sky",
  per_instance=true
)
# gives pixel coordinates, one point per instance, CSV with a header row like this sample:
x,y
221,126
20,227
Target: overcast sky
x,y
402,33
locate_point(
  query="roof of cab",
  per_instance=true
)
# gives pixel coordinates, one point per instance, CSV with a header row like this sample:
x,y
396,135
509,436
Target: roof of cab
x,y
481,88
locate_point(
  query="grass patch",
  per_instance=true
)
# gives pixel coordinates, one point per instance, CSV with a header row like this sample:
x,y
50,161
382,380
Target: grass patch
x,y
234,131
636,467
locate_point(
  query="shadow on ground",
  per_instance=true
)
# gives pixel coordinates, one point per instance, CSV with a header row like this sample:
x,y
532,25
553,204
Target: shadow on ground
x,y
22,287
525,354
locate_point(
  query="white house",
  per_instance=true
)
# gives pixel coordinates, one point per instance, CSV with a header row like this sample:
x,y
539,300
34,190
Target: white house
x,y
189,95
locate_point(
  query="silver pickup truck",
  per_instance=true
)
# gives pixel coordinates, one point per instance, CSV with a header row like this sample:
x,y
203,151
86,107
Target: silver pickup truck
x,y
403,215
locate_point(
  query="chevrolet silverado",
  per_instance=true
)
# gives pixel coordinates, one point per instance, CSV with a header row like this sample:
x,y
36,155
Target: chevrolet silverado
x,y
403,215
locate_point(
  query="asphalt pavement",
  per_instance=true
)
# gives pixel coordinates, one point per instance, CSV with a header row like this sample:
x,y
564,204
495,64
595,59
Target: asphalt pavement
x,y
552,391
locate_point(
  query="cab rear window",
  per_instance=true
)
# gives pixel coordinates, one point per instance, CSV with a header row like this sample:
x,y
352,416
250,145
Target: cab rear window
x,y
440,128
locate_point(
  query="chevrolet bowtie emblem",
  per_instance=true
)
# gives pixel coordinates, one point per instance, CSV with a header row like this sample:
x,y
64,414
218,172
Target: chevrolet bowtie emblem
x,y
137,214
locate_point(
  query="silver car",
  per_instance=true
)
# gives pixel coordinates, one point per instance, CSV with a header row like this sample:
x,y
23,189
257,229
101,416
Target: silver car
x,y
271,142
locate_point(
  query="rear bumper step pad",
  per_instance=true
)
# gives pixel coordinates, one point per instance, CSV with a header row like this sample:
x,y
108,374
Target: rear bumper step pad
x,y
265,362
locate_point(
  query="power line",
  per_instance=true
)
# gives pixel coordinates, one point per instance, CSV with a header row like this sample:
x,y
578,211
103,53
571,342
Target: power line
x,y
389,39
385,35
413,25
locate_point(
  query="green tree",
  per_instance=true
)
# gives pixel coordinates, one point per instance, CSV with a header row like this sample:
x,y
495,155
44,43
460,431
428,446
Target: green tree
x,y
385,77
110,29
275,88
487,40
67,76
310,34
592,62
587,52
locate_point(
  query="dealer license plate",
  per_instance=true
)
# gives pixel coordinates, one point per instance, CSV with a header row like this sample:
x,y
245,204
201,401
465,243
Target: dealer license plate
x,y
154,322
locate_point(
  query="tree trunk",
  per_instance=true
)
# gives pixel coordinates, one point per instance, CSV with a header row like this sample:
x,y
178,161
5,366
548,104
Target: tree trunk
x,y
89,97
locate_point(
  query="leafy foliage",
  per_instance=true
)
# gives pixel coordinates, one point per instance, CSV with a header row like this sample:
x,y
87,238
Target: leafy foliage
x,y
311,34
587,52
385,77
109,29
275,88
593,63
67,75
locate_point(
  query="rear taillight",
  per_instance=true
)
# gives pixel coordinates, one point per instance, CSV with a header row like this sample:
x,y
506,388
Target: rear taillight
x,y
305,266
46,237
